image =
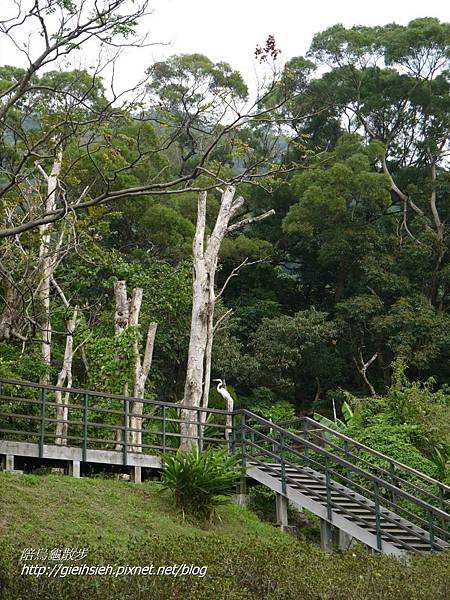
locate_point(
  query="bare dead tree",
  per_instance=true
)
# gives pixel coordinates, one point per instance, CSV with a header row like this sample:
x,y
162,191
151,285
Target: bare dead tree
x,y
205,255
48,261
65,380
28,266
362,367
127,315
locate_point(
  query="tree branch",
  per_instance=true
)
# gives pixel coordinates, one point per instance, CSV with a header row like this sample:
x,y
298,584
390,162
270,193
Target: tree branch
x,y
250,221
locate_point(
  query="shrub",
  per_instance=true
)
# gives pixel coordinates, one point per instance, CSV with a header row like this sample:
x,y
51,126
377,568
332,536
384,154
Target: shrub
x,y
198,481
239,568
265,405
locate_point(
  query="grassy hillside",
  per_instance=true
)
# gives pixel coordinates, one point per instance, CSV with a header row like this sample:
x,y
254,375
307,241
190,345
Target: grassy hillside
x,y
124,524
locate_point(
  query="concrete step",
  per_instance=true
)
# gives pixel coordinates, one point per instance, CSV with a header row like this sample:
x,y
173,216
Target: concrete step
x,y
396,531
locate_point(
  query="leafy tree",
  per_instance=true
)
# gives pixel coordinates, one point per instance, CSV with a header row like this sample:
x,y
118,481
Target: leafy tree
x,y
297,355
409,423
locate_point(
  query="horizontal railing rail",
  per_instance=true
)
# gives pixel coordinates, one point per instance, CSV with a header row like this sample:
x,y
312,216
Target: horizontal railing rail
x,y
84,420
354,468
377,454
391,461
97,420
107,396
360,520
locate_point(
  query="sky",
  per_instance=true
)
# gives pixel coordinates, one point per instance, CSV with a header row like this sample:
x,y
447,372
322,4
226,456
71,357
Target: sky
x,y
230,30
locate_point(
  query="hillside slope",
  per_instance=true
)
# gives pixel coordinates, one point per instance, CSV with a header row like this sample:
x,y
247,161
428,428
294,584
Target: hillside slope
x,y
123,524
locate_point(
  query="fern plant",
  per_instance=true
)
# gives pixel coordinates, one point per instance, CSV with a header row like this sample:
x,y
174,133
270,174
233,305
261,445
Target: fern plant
x,y
199,482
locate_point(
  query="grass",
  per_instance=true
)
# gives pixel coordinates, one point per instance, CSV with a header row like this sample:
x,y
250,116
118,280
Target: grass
x,y
93,509
122,523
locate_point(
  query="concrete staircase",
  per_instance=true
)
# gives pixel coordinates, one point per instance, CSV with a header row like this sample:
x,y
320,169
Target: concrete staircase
x,y
350,512
382,503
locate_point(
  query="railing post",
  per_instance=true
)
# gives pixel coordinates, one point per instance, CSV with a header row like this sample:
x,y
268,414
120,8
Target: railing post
x,y
272,435
164,428
328,489
348,471
392,476
283,463
125,431
85,425
243,448
199,431
275,443
377,514
431,529
42,431
442,498
252,444
233,433
443,508
305,435
346,449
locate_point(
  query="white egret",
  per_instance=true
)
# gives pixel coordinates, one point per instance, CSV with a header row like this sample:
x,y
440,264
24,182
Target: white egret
x,y
229,406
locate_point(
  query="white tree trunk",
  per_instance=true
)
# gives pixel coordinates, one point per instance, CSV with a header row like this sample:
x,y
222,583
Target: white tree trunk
x,y
141,374
196,390
362,367
127,315
122,314
65,377
48,261
199,331
121,320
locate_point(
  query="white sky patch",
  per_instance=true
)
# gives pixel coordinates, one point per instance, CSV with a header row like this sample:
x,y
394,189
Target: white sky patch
x,y
230,31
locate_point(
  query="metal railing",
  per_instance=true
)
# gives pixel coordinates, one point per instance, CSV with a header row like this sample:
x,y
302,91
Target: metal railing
x,y
284,453
408,479
31,412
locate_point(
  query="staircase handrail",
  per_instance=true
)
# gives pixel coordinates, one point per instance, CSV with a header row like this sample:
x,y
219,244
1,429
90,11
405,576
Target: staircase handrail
x,y
348,465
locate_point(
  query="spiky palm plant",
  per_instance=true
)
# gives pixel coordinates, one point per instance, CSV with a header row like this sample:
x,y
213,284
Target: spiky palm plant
x,y
198,481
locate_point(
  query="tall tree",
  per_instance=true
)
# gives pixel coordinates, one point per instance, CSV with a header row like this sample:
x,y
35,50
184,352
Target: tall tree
x,y
127,316
196,391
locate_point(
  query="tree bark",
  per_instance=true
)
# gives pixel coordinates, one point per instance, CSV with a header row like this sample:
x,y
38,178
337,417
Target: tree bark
x,y
434,287
11,314
65,377
362,367
127,315
141,371
198,335
48,261
121,320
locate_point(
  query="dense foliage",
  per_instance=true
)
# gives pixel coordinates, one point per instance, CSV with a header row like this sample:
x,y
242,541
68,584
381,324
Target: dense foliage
x,y
409,424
